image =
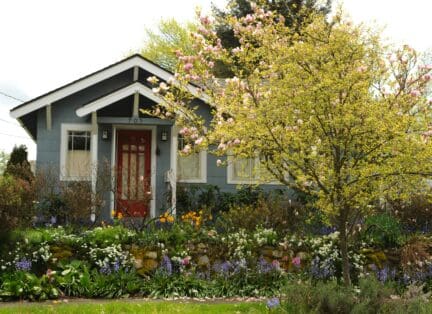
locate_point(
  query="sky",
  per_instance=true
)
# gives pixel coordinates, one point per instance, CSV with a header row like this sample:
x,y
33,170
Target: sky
x,y
46,44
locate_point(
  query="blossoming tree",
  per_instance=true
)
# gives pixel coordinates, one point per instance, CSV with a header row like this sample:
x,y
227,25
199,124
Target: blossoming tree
x,y
329,110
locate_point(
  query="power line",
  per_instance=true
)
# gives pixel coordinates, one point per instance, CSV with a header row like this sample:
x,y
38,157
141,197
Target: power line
x,y
10,122
11,135
12,97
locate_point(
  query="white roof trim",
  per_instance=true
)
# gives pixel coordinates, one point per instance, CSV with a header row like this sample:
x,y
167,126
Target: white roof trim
x,y
95,78
107,100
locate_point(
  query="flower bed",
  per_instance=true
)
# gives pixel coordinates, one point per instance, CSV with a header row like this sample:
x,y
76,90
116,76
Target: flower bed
x,y
190,257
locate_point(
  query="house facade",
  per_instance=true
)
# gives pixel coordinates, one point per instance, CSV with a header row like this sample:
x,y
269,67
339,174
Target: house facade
x,y
97,119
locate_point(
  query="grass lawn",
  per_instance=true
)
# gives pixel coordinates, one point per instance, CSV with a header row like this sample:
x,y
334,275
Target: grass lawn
x,y
133,306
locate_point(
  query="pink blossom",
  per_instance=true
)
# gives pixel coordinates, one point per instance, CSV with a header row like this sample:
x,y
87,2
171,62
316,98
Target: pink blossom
x,y
415,93
249,18
205,20
392,58
275,263
152,79
218,162
427,77
163,86
184,131
211,64
237,141
296,261
222,146
199,141
236,50
188,66
428,133
362,69
186,260
187,149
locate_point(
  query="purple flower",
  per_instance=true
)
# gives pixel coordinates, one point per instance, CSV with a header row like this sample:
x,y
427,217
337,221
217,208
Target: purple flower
x,y
105,269
116,266
166,265
273,303
23,264
322,270
263,266
386,274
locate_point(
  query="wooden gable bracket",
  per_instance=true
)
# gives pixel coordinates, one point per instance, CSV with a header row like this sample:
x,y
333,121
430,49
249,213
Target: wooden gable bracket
x,y
135,111
48,117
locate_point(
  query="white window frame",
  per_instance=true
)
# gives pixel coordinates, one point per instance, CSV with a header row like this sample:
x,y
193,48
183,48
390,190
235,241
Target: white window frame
x,y
230,172
232,180
203,165
65,128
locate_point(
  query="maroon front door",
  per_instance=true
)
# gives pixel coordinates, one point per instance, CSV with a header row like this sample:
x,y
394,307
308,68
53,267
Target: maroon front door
x,y
133,172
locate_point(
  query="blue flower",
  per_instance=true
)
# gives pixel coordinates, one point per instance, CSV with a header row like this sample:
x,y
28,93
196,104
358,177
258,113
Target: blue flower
x,y
273,303
116,266
322,270
23,264
105,269
166,265
264,267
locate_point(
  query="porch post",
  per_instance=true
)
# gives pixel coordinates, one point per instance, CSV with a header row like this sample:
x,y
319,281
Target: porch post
x,y
94,162
48,117
173,171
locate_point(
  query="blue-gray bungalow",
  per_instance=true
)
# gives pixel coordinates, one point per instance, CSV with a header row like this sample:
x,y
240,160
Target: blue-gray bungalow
x,y
97,119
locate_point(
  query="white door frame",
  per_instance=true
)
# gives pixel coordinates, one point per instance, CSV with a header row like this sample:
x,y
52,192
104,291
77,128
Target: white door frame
x,y
153,130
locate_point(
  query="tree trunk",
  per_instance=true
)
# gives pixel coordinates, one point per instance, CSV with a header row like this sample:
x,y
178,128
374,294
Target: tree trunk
x,y
343,238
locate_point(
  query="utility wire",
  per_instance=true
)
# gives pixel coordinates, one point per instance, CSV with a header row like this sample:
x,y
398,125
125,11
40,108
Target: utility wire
x,y
12,97
10,122
11,135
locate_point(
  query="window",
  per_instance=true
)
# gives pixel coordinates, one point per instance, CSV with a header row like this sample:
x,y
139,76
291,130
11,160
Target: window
x,y
248,171
75,153
243,170
191,168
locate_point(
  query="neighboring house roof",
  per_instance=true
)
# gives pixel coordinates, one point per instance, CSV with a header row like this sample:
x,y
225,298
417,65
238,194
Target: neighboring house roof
x,y
91,79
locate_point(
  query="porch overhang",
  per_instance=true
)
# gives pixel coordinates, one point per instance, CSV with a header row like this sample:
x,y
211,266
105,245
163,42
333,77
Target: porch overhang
x,y
117,95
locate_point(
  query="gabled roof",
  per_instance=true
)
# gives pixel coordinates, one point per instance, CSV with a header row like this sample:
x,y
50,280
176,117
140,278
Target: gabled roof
x,y
112,97
91,79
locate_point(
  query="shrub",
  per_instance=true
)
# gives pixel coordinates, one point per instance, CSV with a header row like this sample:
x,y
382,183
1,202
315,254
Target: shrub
x,y
383,230
23,285
16,203
415,214
194,197
18,165
164,285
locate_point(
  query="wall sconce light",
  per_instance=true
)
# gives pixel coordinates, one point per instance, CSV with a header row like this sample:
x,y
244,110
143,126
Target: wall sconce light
x,y
164,135
105,134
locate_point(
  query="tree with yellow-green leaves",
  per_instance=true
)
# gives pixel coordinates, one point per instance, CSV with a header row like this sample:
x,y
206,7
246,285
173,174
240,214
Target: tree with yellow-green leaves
x,y
162,43
330,110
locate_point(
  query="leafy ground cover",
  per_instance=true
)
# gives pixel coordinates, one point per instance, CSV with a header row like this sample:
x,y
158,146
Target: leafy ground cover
x,y
128,306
